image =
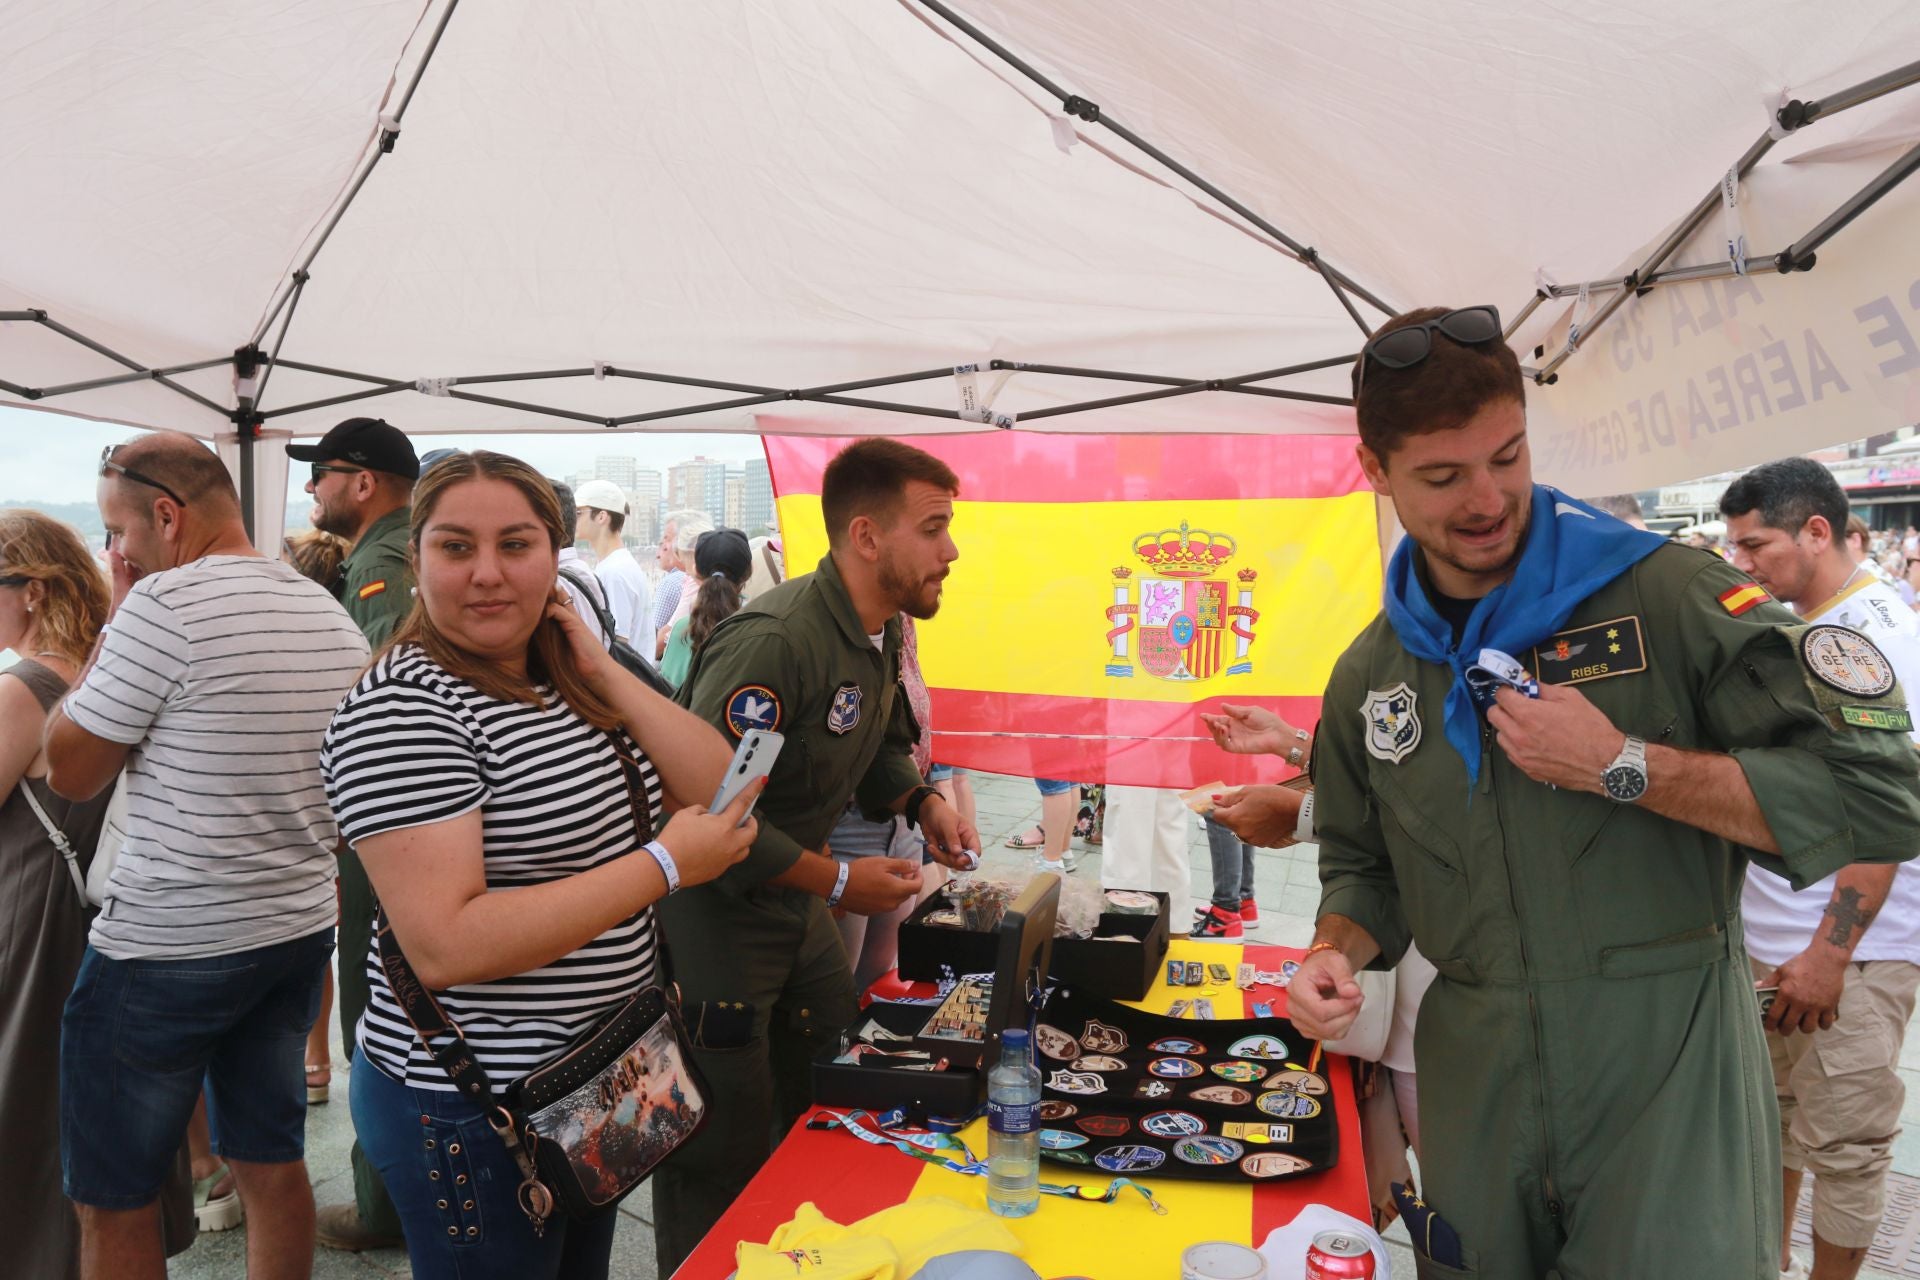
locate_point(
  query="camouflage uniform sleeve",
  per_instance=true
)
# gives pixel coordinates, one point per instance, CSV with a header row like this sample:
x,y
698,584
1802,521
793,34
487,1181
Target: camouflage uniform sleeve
x,y
892,773
1356,873
1832,792
378,614
751,672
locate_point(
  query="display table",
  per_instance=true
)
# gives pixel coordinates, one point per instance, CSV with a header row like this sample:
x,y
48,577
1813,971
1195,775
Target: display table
x,y
849,1179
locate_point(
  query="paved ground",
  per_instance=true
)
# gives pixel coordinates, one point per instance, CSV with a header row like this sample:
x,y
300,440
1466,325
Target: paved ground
x,y
1288,891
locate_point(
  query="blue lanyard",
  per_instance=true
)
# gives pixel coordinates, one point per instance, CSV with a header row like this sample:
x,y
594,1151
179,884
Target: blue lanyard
x,y
932,1144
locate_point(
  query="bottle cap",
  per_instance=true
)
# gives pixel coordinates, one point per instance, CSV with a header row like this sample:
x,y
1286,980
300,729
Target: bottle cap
x,y
1015,1036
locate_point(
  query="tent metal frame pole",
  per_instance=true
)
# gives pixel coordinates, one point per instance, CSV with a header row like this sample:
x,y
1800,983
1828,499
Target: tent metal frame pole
x,y
304,366
260,390
138,375
1798,256
73,335
1789,118
330,401
1091,112
246,442
1533,304
383,144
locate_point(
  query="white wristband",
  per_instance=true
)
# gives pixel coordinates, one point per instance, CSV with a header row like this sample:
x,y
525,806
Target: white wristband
x,y
668,867
839,886
1303,830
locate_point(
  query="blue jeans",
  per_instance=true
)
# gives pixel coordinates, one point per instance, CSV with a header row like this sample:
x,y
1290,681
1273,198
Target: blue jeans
x,y
1232,867
456,1187
139,1038
1050,787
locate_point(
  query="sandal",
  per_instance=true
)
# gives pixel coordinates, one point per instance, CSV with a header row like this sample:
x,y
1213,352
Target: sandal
x,y
215,1209
318,1089
1034,839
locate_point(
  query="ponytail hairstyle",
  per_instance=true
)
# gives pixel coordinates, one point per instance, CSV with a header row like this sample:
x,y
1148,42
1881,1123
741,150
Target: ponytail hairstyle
x,y
723,561
549,654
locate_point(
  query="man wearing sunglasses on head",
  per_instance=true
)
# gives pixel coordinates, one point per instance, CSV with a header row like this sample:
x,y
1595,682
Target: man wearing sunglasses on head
x,y
363,473
1548,762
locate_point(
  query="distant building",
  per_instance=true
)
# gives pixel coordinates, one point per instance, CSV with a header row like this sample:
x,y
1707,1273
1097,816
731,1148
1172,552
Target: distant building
x,y
699,484
617,469
756,499
736,489
645,493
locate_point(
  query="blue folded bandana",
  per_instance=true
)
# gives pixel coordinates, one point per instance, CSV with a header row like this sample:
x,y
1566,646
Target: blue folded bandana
x,y
1572,551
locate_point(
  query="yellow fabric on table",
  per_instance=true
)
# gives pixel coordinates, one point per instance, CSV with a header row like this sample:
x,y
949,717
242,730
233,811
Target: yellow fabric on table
x,y
889,1245
1125,1238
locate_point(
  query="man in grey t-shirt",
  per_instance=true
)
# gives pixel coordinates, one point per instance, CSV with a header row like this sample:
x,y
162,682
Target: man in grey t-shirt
x,y
207,697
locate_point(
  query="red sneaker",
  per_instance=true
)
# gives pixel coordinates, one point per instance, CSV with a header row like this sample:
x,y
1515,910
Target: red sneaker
x,y
1249,911
1215,925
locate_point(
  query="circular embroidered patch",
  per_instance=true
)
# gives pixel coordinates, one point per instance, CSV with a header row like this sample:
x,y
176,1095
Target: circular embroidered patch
x,y
1288,1105
1176,1068
1052,1110
1259,1047
1243,1072
1130,1159
1271,1164
1055,1043
1841,658
1172,1124
1208,1150
753,706
1175,1044
1296,1080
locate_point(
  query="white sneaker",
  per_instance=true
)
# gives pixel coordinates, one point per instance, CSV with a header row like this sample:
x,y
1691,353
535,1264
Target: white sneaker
x,y
1063,867
1798,1271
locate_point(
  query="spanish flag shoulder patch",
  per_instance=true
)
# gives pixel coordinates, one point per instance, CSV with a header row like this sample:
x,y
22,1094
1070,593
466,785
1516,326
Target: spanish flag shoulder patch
x,y
1737,600
373,589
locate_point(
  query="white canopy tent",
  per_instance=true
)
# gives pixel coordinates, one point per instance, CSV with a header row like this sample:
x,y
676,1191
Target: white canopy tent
x,y
249,221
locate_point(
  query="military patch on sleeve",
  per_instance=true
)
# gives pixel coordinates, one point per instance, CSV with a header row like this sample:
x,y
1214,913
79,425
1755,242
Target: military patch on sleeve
x,y
372,589
1841,658
1613,648
753,706
1737,600
844,713
1888,718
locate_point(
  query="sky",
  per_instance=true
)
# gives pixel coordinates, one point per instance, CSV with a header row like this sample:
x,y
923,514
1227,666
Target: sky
x,y
50,457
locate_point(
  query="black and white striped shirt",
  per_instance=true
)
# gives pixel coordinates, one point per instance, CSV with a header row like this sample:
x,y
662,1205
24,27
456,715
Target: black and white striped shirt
x,y
412,745
221,674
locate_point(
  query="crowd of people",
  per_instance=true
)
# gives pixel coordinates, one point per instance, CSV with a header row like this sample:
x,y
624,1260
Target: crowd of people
x,y
1582,790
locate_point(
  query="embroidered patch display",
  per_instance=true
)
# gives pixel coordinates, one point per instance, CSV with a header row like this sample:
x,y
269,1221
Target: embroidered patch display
x,y
1208,1150
1285,1104
1052,1110
844,713
1259,1134
1130,1159
1393,722
1172,1124
1259,1047
1104,1126
1616,647
1098,1062
1101,1038
1082,1082
1841,658
1176,1068
1061,1140
753,706
1271,1164
1737,600
1055,1043
1175,1044
1224,1095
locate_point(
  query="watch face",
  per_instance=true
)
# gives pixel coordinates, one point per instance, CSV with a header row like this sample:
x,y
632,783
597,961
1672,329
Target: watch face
x,y
1626,783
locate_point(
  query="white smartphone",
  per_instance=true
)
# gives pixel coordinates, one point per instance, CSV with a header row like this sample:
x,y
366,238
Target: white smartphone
x,y
752,759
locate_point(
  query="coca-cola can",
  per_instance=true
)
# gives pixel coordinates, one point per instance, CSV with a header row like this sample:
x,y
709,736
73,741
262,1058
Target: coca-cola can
x,y
1335,1255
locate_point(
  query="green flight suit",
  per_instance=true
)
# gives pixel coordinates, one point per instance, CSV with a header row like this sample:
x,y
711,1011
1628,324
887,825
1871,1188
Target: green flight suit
x,y
766,980
377,595
1595,1098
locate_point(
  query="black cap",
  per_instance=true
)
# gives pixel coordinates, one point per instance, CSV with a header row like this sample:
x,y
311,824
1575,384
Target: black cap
x,y
372,443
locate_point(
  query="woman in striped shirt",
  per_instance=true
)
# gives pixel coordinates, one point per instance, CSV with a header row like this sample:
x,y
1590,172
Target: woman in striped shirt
x,y
476,770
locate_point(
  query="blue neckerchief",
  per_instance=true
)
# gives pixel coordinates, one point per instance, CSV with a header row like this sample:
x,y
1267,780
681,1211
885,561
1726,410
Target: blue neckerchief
x,y
1572,551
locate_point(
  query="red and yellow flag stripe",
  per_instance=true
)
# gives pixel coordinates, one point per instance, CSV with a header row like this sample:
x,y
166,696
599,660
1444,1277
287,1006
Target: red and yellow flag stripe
x,y
1062,651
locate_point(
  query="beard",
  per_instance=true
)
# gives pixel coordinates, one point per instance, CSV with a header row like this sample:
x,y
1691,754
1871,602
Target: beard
x,y
327,520
915,597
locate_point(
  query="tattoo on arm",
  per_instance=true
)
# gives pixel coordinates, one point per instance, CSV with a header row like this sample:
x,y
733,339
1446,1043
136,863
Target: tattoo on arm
x,y
1847,916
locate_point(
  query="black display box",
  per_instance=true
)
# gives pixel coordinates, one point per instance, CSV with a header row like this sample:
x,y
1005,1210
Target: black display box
x,y
1116,970
1019,951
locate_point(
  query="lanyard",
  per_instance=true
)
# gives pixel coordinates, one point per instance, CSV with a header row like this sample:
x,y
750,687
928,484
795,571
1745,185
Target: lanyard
x,y
932,1144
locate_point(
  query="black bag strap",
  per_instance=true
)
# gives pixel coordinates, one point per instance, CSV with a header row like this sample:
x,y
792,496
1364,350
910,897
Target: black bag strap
x,y
587,589
430,1022
643,827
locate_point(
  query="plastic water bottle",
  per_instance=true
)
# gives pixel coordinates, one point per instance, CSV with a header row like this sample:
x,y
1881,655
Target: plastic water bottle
x,y
1013,1128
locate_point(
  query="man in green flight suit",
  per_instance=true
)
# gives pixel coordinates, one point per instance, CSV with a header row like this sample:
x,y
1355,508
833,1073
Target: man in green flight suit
x,y
756,952
362,487
1595,1099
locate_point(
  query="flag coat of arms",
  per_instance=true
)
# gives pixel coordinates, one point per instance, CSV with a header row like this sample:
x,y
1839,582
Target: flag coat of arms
x,y
1110,588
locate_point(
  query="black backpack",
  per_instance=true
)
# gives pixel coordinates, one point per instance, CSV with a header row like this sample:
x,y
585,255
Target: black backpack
x,y
623,653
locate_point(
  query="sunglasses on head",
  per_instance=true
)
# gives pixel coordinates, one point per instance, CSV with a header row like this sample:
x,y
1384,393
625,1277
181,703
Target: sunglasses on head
x,y
108,464
1406,347
320,469
14,579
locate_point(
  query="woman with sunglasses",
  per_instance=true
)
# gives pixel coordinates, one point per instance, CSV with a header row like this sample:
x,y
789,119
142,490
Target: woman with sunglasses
x,y
53,603
491,769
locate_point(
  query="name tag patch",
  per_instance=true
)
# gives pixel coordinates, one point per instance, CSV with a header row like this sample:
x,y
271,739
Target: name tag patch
x,y
1617,647
1898,721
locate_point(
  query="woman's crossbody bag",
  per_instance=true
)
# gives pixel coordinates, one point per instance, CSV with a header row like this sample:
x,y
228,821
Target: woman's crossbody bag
x,y
91,885
593,1124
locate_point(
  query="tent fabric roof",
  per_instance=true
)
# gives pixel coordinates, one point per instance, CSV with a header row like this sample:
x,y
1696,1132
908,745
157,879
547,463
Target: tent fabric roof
x,y
789,193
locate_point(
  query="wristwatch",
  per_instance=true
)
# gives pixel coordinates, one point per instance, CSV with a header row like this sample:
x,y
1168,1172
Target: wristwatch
x,y
1626,778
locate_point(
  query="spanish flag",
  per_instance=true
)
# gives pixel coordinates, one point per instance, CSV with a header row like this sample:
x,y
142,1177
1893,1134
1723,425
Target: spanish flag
x,y
1110,588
